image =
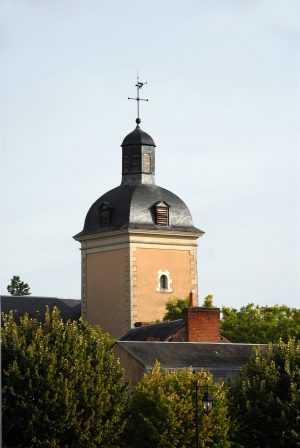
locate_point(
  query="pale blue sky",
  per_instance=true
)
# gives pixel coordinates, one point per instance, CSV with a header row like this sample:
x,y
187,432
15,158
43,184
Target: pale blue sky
x,y
223,84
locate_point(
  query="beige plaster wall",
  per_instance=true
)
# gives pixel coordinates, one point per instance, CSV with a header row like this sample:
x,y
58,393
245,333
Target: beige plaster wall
x,y
133,370
107,298
148,303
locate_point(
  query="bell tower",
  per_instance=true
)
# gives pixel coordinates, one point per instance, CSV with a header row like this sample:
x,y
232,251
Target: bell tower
x,y
138,245
138,158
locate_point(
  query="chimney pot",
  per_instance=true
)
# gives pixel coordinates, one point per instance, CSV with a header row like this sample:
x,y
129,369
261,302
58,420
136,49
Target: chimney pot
x,y
192,300
140,324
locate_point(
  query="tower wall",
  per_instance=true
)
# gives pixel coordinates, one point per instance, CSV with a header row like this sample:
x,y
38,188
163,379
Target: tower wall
x,y
107,296
149,262
121,276
105,287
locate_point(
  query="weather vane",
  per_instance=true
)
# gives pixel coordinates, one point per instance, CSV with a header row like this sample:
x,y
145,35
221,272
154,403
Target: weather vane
x,y
138,86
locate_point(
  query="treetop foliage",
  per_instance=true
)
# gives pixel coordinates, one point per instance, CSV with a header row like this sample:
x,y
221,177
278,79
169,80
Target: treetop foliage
x,y
260,324
175,307
18,288
266,397
62,386
162,411
208,301
250,324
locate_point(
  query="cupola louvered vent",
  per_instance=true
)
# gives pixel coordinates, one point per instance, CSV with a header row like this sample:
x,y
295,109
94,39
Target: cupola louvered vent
x,y
105,216
135,163
162,214
125,163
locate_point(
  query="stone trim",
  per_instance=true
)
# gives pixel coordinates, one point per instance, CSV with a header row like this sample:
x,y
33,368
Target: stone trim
x,y
83,284
137,232
144,246
128,288
133,285
193,270
121,241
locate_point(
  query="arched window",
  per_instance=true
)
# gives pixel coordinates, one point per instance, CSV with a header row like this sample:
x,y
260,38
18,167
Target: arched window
x,y
163,282
147,163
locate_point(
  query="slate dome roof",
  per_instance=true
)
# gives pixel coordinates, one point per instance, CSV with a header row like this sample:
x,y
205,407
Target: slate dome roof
x,y
138,137
132,207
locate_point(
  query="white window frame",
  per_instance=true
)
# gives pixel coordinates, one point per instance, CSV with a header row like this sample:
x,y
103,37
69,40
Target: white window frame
x,y
170,281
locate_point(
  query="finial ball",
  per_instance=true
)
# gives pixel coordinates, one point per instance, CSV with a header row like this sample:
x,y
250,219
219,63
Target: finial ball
x,y
138,120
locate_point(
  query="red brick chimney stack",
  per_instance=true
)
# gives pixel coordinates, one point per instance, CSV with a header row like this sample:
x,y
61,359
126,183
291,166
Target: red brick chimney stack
x,y
202,324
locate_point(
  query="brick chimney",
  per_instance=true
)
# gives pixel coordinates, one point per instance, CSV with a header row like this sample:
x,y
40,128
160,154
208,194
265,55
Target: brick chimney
x,y
202,324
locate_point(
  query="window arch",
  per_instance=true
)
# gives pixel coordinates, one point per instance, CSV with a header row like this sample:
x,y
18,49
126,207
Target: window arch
x,y
147,163
164,282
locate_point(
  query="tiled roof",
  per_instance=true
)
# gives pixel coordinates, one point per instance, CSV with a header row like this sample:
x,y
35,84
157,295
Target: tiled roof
x,y
35,306
222,360
161,331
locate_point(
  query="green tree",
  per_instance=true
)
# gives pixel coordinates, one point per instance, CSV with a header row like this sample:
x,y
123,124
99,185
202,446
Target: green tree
x,y
255,324
62,386
18,288
208,301
175,307
162,411
266,398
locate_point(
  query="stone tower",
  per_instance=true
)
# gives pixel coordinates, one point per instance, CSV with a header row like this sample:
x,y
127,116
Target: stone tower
x,y
138,245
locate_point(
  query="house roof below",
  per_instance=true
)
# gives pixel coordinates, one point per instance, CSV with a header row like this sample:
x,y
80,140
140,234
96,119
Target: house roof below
x,y
162,331
35,306
222,360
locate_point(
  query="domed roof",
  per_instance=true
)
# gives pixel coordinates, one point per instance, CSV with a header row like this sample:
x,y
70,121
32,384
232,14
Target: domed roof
x,y
138,137
134,207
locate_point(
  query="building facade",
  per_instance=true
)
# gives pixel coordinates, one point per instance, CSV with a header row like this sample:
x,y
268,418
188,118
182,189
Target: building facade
x,y
138,245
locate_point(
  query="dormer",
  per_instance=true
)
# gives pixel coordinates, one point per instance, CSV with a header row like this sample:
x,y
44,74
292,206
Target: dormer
x,y
105,212
161,213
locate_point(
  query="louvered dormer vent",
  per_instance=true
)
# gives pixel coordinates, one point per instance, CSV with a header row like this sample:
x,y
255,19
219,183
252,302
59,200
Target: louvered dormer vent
x,y
162,214
105,216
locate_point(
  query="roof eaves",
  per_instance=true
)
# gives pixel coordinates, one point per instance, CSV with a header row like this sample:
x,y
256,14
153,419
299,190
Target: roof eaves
x,y
130,353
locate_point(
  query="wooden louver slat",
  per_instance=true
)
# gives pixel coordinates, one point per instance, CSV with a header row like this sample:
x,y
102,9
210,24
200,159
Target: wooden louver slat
x,y
125,163
135,163
104,217
162,215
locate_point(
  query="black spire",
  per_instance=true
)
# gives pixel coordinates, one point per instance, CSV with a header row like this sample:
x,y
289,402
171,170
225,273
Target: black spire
x,y
138,137
138,153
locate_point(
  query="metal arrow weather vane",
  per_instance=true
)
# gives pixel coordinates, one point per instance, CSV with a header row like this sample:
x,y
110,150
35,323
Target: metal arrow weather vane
x,y
138,86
